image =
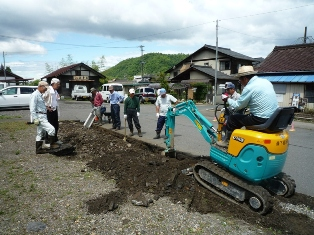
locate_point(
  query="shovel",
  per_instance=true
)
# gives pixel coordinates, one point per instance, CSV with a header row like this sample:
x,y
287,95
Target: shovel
x,y
124,139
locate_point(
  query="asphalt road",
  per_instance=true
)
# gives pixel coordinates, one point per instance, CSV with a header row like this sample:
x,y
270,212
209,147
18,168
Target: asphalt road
x,y
299,164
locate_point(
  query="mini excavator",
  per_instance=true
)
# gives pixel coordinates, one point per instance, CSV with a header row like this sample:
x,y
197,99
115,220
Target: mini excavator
x,y
249,171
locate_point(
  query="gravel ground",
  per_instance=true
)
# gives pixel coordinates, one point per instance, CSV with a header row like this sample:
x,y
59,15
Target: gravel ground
x,y
45,194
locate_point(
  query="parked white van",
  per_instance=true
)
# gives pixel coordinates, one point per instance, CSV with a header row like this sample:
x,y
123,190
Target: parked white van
x,y
14,97
105,90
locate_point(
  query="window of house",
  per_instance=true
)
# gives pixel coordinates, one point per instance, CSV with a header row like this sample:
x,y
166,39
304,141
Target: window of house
x,y
206,64
77,72
225,65
309,93
280,88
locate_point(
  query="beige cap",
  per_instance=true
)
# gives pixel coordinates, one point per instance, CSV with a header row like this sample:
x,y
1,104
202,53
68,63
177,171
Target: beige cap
x,y
42,83
111,88
132,91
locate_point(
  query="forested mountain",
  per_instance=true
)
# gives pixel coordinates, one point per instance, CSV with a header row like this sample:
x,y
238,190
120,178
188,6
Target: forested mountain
x,y
154,63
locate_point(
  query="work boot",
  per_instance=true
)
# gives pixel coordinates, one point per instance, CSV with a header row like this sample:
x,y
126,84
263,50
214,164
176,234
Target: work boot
x,y
139,132
45,146
52,142
39,149
131,133
225,142
157,135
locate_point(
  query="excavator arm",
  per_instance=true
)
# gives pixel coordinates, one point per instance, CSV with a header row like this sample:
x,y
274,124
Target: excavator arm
x,y
189,110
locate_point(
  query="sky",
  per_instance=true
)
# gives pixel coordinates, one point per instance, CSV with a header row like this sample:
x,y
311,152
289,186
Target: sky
x,y
34,33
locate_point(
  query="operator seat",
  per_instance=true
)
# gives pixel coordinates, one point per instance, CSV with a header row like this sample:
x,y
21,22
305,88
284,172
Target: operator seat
x,y
278,121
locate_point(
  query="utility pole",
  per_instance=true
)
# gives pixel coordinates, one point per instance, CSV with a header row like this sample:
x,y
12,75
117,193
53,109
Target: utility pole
x,y
5,76
142,62
215,87
304,39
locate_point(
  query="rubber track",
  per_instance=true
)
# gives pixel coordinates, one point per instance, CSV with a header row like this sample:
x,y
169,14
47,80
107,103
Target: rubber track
x,y
260,192
289,182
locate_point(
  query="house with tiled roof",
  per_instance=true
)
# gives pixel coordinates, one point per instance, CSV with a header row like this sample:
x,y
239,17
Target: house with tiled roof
x,y
200,66
12,79
291,71
75,74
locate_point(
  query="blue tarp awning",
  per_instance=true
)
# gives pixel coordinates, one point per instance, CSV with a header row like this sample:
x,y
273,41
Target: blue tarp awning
x,y
289,78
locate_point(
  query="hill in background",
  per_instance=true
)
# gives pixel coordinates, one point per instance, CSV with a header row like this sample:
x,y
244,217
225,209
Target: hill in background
x,y
154,63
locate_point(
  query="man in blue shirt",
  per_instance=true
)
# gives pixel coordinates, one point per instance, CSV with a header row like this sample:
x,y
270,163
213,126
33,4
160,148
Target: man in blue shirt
x,y
258,94
115,98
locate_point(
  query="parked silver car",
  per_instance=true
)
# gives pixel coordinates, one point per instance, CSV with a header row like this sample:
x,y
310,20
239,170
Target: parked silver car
x,y
146,94
15,97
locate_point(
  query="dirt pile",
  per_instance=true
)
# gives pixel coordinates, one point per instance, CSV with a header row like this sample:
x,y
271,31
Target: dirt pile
x,y
139,167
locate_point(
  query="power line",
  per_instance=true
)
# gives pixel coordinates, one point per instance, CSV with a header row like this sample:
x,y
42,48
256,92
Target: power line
x,y
160,33
60,43
255,36
263,13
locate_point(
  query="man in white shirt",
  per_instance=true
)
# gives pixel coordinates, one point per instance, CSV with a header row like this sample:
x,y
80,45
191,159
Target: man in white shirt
x,y
51,98
163,102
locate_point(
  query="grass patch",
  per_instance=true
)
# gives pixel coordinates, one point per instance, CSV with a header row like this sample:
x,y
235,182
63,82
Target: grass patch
x,y
13,127
2,117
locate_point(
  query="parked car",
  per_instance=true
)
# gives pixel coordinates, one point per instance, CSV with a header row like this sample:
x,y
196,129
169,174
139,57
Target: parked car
x,y
146,94
80,92
15,97
105,90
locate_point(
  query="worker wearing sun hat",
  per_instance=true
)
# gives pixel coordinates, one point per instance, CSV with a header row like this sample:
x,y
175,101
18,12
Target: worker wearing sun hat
x,y
132,112
258,94
163,102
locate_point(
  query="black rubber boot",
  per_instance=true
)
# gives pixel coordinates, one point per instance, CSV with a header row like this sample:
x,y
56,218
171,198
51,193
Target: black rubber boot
x,y
39,149
139,132
157,135
52,142
131,133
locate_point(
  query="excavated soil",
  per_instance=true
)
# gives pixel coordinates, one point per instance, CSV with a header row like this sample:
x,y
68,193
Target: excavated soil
x,y
138,167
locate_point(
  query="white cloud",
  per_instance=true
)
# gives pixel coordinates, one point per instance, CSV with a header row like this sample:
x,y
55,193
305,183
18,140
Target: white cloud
x,y
180,26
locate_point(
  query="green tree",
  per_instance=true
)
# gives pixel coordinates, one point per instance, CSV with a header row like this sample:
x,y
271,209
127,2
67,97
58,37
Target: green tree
x,y
154,64
161,78
201,91
95,66
102,63
8,69
66,62
34,82
49,69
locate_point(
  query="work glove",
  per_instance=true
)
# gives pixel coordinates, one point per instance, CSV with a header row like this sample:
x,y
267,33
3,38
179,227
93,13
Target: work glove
x,y
125,116
138,114
36,122
157,115
224,97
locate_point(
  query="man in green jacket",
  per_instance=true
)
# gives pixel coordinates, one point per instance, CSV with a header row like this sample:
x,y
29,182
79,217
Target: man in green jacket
x,y
132,112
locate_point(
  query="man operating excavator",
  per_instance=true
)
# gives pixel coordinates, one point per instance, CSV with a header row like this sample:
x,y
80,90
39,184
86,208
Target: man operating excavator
x,y
258,95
